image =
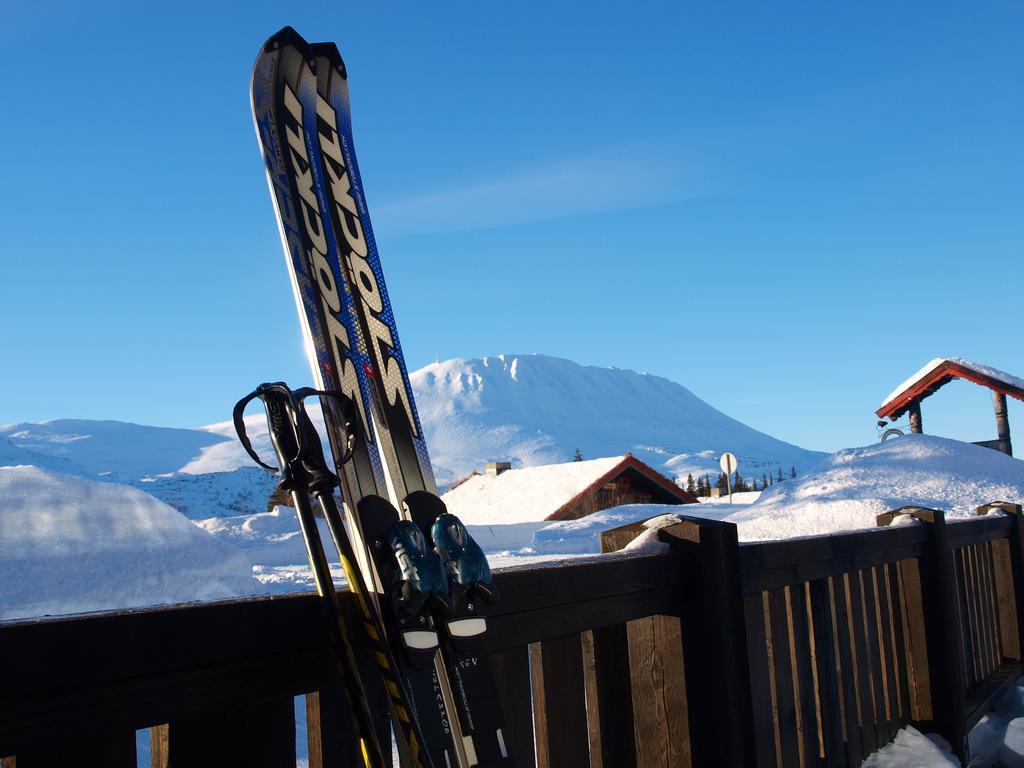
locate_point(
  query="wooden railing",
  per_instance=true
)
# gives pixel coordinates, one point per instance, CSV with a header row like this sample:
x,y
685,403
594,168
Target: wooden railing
x,y
796,653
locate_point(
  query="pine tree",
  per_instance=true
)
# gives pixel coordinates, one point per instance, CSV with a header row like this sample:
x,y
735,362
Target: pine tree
x,y
779,478
792,472
578,456
689,484
764,480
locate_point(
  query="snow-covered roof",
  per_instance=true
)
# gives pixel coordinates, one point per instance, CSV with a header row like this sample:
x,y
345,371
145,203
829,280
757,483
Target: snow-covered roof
x,y
939,372
536,493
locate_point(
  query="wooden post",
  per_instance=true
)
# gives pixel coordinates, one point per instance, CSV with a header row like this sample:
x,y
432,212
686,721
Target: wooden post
x,y
716,666
942,628
1002,423
915,417
1011,645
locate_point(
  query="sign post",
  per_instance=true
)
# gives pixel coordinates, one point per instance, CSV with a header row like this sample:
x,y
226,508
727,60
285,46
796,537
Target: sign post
x,y
728,464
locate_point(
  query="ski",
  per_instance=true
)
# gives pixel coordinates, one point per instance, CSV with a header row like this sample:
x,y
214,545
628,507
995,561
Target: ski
x,y
301,110
397,426
284,105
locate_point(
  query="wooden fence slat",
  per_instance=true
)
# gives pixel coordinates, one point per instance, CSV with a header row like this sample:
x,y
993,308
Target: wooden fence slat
x,y
614,702
512,676
760,684
827,674
330,737
805,674
885,649
988,611
978,606
867,595
990,603
900,660
857,746
968,628
565,707
785,696
659,692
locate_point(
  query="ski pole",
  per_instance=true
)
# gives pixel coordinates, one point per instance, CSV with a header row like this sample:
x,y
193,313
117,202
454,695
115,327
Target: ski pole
x,y
282,420
321,487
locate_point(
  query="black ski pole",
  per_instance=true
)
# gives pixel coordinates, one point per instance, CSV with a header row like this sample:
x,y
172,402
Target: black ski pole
x,y
282,420
322,483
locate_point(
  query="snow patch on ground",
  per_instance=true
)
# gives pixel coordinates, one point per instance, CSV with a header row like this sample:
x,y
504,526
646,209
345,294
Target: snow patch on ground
x,y
851,487
72,545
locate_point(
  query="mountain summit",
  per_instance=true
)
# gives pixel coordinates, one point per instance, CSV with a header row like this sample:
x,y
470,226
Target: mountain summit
x,y
535,409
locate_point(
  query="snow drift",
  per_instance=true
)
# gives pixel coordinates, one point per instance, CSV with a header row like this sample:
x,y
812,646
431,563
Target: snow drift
x,y
70,545
851,487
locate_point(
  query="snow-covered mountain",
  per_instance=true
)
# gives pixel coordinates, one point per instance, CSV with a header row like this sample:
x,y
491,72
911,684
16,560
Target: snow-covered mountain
x,y
534,409
528,409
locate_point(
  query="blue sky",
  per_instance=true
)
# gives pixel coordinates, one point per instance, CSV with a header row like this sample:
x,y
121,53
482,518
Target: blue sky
x,y
786,209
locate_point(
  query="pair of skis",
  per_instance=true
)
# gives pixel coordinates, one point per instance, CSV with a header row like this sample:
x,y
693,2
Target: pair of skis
x,y
301,111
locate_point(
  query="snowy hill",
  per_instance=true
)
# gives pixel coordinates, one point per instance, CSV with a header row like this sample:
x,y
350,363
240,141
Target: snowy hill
x,y
178,466
534,409
851,487
529,409
71,545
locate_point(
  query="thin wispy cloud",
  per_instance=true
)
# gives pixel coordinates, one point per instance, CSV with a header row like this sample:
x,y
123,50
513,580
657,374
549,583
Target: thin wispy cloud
x,y
604,182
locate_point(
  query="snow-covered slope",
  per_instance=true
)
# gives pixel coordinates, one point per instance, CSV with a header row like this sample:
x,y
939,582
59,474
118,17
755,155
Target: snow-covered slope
x,y
529,409
121,450
181,467
534,409
851,487
69,544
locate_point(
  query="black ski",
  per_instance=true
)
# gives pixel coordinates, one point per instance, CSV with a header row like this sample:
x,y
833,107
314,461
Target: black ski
x,y
398,430
462,625
301,109
284,103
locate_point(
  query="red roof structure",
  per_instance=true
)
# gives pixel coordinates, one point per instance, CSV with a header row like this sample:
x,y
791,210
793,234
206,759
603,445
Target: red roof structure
x,y
938,373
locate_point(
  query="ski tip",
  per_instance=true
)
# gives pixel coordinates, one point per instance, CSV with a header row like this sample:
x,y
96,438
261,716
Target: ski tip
x,y
330,52
285,37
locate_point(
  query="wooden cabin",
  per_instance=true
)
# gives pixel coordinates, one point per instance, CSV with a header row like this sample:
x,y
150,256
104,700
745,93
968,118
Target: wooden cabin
x,y
560,491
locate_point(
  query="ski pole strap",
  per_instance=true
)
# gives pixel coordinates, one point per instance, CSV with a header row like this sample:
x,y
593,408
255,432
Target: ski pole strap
x,y
345,415
279,391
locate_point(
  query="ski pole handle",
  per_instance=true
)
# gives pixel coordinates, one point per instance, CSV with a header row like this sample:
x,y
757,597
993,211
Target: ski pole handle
x,y
280,405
